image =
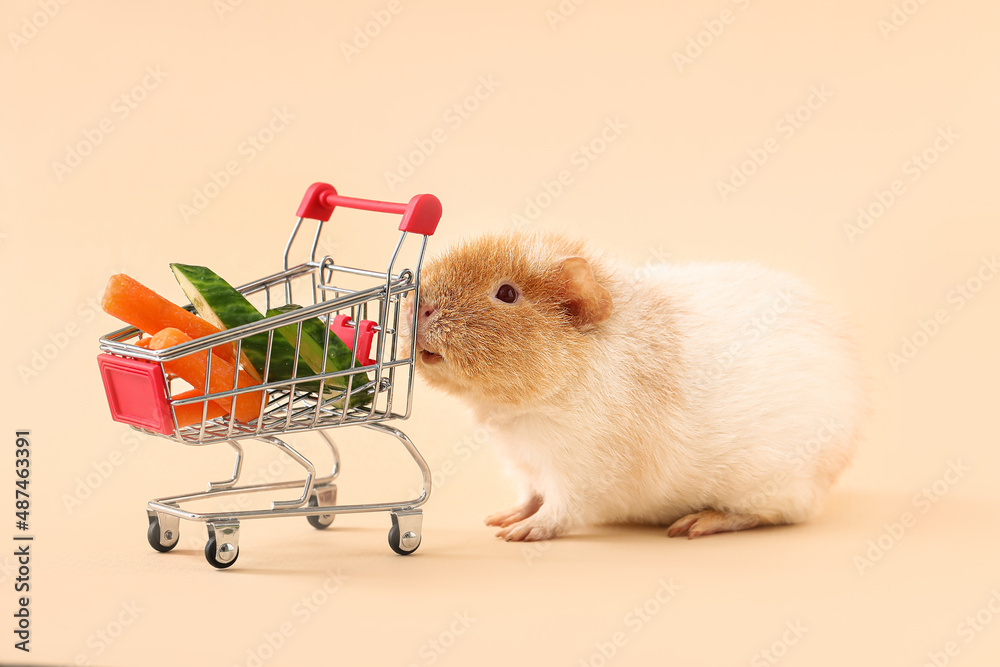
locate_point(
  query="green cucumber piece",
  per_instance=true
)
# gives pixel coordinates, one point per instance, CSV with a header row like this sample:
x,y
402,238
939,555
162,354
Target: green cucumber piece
x,y
311,347
338,355
221,304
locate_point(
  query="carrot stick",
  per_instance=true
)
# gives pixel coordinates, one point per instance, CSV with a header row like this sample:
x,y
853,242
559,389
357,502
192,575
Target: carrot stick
x,y
192,369
190,413
134,303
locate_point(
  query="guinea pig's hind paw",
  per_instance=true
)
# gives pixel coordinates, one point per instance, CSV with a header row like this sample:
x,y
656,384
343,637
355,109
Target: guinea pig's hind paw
x,y
708,522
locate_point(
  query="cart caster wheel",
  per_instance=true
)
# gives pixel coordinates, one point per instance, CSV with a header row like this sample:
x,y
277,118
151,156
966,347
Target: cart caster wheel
x,y
406,540
223,546
325,498
218,560
395,542
163,538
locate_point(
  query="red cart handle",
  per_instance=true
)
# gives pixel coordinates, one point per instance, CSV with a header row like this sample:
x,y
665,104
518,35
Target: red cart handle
x,y
420,215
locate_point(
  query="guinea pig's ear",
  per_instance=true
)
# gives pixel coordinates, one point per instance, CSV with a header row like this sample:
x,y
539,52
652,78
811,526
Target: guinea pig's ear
x,y
586,300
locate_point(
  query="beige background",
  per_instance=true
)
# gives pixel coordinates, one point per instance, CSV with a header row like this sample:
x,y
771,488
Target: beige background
x,y
888,95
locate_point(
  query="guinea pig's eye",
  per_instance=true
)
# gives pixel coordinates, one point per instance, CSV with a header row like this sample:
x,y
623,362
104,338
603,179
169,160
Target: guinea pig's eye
x,y
507,293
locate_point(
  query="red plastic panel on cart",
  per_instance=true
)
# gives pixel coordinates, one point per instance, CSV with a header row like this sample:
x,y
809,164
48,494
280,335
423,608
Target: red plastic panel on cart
x,y
137,393
366,333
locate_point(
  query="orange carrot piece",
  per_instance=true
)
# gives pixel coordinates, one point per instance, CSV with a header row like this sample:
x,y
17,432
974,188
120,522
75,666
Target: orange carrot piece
x,y
190,413
192,369
134,303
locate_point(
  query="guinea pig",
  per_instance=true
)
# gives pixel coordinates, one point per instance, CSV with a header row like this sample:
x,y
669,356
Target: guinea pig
x,y
705,397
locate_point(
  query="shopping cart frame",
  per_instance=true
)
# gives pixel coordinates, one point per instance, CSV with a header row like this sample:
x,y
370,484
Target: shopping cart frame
x,y
139,386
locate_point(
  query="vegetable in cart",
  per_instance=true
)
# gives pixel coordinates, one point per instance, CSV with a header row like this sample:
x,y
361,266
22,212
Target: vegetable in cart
x,y
193,368
135,304
338,355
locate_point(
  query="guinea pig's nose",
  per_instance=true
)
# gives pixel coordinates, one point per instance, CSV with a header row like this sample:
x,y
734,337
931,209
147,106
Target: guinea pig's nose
x,y
426,310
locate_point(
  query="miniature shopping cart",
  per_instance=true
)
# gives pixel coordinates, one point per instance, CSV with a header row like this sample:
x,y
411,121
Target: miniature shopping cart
x,y
363,309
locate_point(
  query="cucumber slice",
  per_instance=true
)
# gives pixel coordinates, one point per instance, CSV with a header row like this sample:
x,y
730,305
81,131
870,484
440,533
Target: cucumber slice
x,y
221,304
338,355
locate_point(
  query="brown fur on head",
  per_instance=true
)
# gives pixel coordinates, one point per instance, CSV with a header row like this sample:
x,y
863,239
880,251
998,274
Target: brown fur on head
x,y
473,344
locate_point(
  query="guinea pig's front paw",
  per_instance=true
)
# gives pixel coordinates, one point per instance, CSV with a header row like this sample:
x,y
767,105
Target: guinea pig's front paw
x,y
533,529
515,514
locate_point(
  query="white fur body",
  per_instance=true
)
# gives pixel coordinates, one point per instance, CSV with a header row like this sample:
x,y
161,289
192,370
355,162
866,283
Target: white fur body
x,y
723,386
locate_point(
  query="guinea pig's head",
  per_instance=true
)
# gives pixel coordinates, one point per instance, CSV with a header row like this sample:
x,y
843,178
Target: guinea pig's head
x,y
505,319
